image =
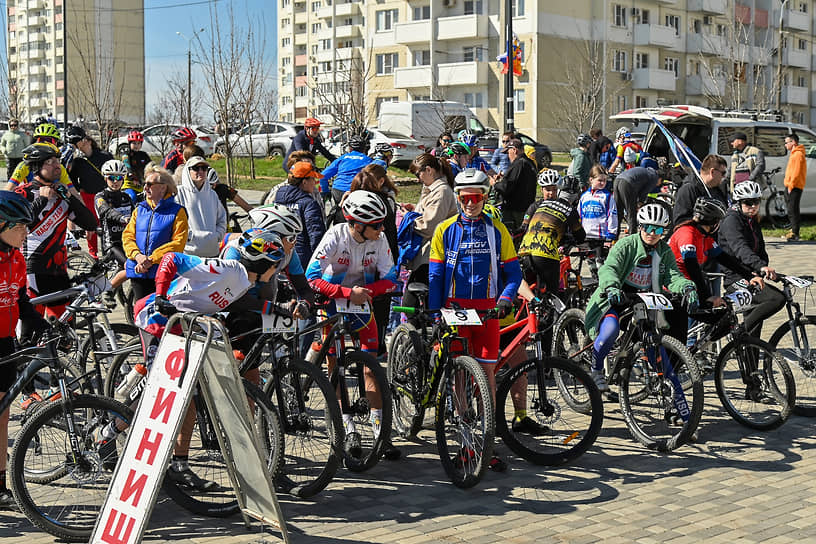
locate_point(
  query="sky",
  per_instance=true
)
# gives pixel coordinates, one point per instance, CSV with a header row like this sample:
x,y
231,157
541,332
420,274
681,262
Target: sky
x,y
166,52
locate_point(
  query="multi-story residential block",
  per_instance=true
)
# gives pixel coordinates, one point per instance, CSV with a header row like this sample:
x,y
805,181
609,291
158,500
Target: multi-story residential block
x,y
578,56
61,53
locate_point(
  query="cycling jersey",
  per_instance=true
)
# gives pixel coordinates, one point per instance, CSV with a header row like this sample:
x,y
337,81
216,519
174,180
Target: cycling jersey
x,y
173,160
479,163
621,151
114,209
689,242
343,171
23,174
134,190
599,214
548,221
455,168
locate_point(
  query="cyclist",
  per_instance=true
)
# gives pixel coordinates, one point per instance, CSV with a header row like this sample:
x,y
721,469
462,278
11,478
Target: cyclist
x,y
180,137
640,262
383,153
135,161
297,195
345,168
353,261
458,156
15,214
741,236
47,135
309,140
632,188
624,149
53,206
599,215
114,208
475,160
581,162
473,264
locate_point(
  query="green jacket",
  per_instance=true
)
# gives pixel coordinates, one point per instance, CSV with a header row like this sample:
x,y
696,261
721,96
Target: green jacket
x,y
580,165
621,261
12,143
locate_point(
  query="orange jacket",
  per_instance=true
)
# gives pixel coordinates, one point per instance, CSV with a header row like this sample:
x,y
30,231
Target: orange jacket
x,y
796,172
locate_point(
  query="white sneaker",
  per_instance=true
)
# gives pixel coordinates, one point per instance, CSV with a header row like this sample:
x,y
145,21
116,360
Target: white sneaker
x,y
600,380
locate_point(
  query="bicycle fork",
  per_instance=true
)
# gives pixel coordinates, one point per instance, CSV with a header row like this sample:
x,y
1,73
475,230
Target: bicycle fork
x,y
664,368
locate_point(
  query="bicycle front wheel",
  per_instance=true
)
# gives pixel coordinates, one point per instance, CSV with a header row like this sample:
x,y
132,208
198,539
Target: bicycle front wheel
x,y
465,423
406,375
67,503
776,210
542,388
755,385
801,360
661,413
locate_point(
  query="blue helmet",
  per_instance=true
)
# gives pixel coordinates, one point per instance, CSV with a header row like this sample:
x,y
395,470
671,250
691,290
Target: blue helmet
x,y
15,208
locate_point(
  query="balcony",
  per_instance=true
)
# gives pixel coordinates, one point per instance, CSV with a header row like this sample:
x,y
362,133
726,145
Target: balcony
x,y
412,32
705,85
760,55
301,101
797,20
791,94
36,21
343,31
36,86
708,6
36,52
342,53
36,70
300,60
653,78
706,43
412,76
796,57
659,35
302,18
342,10
461,27
463,73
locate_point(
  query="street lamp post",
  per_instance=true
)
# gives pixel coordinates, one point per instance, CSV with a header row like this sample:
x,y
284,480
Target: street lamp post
x,y
189,120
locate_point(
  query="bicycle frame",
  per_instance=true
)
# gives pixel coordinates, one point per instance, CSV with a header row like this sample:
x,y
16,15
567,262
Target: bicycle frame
x,y
795,316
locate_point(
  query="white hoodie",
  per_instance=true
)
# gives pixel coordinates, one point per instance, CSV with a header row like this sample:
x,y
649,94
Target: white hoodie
x,y
206,217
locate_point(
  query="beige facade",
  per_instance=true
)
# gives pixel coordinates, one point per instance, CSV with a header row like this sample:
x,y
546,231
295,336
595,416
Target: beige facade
x,y
614,54
102,43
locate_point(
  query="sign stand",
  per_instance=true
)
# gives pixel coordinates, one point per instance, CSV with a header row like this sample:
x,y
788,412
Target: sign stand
x,y
178,365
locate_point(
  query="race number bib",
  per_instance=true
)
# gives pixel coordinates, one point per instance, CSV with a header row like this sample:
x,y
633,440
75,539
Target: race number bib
x,y
740,299
278,323
460,317
655,301
798,282
345,306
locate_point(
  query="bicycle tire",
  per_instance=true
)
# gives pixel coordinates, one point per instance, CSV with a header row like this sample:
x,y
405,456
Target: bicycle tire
x,y
767,401
802,363
206,461
776,210
71,519
465,447
652,418
78,262
121,366
570,432
406,376
356,363
313,431
569,338
123,332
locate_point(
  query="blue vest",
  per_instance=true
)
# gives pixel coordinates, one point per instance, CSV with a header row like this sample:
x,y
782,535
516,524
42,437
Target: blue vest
x,y
154,228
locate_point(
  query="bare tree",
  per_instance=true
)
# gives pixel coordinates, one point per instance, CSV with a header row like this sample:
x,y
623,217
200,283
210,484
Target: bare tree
x,y
344,98
176,90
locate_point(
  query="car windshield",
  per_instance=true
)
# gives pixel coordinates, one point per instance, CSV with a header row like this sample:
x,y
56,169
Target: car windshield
x,y
809,141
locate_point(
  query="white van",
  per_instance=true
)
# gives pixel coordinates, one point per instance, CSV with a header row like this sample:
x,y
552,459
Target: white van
x,y
426,120
707,131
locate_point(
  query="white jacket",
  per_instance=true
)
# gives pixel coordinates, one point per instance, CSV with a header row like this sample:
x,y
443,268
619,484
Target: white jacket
x,y
206,217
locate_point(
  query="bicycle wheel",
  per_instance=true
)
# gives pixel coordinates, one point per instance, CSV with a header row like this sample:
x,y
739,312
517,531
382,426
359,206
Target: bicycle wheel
x,y
207,462
647,398
406,375
116,337
569,340
78,262
776,210
66,504
312,426
569,432
801,360
359,419
465,422
755,385
121,365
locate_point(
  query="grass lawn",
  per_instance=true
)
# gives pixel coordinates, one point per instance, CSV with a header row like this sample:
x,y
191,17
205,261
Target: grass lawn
x,y
807,232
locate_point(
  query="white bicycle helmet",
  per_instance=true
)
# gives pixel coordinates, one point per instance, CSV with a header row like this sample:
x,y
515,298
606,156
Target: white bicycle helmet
x,y
363,207
746,190
548,176
653,214
114,167
471,178
278,219
622,132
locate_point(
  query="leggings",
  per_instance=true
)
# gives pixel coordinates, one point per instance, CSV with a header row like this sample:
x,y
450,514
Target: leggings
x,y
608,332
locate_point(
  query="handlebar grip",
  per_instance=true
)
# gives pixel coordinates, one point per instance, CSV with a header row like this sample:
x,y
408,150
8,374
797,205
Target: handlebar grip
x,y
409,310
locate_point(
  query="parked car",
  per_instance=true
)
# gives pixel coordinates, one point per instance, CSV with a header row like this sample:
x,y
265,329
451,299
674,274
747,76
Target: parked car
x,y
487,145
263,139
158,142
406,149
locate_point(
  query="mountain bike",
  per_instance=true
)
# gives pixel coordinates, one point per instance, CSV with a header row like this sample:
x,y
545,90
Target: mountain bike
x,y
776,204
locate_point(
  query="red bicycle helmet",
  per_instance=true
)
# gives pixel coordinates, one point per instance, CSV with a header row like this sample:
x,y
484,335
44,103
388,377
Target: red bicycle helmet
x,y
311,122
135,136
182,135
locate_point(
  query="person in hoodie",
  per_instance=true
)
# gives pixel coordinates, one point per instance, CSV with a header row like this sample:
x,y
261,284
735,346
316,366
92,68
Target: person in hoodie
x,y
795,176
207,218
296,195
581,162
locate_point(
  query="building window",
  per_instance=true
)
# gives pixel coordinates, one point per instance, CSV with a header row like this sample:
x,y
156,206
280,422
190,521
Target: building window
x,y
696,26
286,3
380,99
314,49
421,13
286,42
315,6
618,15
803,7
518,100
422,58
619,61
518,8
301,91
474,7
641,102
473,53
801,81
286,21
640,16
386,19
673,65
286,61
641,60
326,44
622,102
316,27
720,30
674,22
474,100
386,63
802,44
325,66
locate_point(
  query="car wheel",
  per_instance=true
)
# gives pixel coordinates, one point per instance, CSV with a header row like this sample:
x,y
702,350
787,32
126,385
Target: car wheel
x,y
276,151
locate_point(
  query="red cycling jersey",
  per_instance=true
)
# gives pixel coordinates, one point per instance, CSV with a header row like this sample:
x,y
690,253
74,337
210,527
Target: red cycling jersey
x,y
12,289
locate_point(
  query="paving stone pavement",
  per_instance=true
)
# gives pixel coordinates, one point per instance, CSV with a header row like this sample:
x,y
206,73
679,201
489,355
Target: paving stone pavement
x,y
733,485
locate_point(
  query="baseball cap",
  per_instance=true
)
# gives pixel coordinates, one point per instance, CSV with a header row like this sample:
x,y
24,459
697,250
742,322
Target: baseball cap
x,y
304,169
192,161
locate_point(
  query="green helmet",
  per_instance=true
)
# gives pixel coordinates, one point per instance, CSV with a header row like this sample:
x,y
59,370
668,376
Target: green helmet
x,y
47,130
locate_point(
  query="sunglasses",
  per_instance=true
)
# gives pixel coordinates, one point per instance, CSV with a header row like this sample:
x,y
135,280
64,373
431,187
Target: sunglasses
x,y
150,184
653,229
115,178
200,168
376,226
471,199
13,224
751,201
13,126
505,141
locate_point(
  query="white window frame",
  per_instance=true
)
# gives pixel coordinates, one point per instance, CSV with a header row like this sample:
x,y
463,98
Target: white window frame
x,y
519,100
619,16
386,18
619,61
386,63
672,64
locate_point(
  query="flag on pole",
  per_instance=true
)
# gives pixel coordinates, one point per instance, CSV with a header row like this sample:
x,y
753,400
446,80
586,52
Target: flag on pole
x,y
516,56
685,156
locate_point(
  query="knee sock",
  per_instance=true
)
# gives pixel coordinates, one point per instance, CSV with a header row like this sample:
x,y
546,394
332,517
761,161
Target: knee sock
x,y
607,334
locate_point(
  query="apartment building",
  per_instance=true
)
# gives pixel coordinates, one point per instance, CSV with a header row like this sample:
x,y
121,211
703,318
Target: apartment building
x,y
615,54
101,42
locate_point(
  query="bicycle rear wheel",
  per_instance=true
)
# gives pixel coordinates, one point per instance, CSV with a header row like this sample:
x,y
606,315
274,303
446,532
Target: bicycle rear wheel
x,y
647,398
569,433
755,384
569,341
67,503
801,360
406,375
465,422
776,210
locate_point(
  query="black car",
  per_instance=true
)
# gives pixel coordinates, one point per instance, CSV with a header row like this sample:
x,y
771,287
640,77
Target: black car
x,y
543,155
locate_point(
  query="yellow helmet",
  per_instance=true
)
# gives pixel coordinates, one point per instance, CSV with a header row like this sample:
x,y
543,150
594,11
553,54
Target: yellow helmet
x,y
493,212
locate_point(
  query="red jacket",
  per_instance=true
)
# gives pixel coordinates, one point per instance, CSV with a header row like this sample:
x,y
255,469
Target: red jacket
x,y
14,302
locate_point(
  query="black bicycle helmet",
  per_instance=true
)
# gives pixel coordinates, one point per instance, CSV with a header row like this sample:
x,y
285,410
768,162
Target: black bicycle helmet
x,y
583,140
708,211
39,153
14,208
458,148
358,142
74,134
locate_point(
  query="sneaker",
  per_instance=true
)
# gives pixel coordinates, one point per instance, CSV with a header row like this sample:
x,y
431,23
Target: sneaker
x,y
497,464
788,236
600,380
793,238
353,445
389,451
28,400
529,426
187,478
7,501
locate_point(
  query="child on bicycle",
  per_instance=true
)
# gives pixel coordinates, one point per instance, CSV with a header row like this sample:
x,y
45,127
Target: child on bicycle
x,y
640,262
473,264
353,261
15,215
599,217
